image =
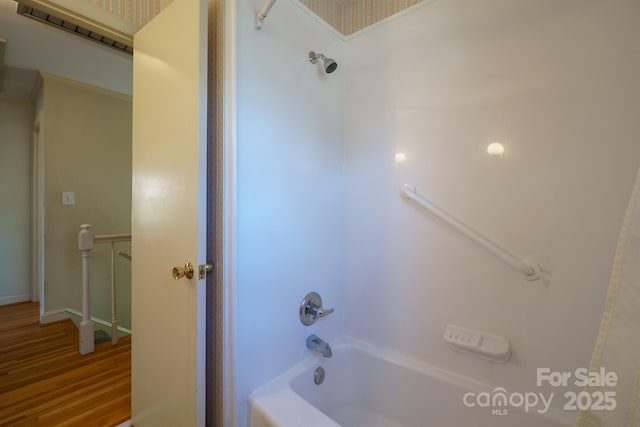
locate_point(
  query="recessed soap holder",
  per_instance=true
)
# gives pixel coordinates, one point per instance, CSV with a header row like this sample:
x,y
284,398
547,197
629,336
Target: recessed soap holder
x,y
482,344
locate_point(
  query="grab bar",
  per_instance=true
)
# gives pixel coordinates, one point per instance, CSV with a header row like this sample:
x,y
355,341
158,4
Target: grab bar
x,y
530,270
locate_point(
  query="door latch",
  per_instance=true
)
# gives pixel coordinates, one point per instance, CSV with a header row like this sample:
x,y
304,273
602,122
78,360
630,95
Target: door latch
x,y
203,269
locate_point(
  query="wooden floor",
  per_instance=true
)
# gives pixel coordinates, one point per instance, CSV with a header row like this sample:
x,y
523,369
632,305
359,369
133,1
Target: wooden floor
x,y
45,382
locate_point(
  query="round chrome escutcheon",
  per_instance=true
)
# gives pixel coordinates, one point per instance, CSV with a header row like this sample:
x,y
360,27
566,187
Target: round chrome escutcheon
x,y
318,376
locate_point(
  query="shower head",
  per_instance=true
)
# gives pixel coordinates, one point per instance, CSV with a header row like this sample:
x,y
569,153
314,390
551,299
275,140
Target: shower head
x,y
328,64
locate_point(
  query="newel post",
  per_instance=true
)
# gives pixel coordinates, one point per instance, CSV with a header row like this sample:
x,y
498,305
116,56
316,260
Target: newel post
x,y
85,244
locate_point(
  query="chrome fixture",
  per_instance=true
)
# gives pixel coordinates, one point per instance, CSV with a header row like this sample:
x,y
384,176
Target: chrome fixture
x,y
329,65
318,376
311,309
315,343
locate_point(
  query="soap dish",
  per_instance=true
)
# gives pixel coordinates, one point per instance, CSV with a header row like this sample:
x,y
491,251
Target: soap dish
x,y
488,346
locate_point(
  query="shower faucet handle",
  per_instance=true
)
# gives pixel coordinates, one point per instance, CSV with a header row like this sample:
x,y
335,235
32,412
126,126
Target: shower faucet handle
x,y
321,312
311,309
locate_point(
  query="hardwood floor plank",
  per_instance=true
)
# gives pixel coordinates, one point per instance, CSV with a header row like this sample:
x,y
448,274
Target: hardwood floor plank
x,y
45,382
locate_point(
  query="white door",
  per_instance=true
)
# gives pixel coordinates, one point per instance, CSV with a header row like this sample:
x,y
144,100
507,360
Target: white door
x,y
169,217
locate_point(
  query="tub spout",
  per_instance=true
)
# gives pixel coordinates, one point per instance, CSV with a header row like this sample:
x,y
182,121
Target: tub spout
x,y
316,343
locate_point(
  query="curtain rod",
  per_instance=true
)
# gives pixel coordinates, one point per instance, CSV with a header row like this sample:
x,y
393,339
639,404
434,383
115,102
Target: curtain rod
x,y
262,13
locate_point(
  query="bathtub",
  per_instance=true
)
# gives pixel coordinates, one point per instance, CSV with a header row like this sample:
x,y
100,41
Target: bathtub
x,y
364,387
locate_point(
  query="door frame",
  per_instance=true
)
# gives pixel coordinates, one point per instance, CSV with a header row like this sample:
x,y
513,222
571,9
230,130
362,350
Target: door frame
x,y
37,211
229,252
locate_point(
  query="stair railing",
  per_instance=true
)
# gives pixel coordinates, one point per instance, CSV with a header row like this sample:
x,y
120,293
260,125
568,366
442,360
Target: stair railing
x,y
86,241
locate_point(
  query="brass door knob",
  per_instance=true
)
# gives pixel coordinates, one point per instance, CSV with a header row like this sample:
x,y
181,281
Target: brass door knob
x,y
180,272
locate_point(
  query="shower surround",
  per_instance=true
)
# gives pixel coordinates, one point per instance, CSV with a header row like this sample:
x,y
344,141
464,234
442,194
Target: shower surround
x,y
319,203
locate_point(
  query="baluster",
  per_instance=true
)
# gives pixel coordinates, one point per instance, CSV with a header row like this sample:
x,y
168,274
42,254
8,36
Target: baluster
x,y
85,244
114,320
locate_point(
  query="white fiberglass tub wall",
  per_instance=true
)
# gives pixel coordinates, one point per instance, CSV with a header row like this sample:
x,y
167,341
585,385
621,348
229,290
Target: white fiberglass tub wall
x,y
290,221
556,84
366,387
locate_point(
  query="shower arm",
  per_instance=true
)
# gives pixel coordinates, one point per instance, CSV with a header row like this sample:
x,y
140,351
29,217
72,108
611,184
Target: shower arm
x,y
313,57
262,13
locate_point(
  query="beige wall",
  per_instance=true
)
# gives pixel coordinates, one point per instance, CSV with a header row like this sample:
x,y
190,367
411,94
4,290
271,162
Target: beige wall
x,y
16,120
87,151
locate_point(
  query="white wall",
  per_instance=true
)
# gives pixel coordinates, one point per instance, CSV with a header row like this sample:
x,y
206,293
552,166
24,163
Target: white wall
x,y
36,46
16,124
556,83
290,189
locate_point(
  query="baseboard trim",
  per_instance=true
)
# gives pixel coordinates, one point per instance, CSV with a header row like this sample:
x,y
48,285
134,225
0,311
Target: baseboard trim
x,y
76,316
54,316
15,299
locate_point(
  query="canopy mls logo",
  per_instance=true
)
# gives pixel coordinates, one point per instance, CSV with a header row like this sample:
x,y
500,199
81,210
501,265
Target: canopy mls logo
x,y
499,399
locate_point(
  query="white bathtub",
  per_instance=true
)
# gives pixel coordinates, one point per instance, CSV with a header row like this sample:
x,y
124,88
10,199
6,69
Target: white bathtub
x,y
365,387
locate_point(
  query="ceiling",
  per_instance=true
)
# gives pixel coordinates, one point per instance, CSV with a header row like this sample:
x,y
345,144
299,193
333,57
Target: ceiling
x,y
71,27
32,46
